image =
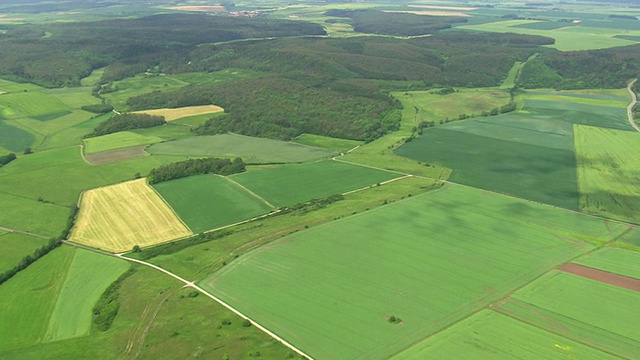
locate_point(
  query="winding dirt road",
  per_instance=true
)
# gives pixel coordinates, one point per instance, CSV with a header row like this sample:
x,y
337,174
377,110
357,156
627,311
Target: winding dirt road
x,y
634,101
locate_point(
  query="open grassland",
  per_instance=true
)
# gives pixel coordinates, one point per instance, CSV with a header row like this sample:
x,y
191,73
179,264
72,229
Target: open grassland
x,y
87,278
197,261
71,134
7,86
608,176
340,282
490,335
178,113
615,260
28,299
286,185
21,213
207,202
326,142
157,319
31,176
253,150
73,97
569,38
538,173
429,106
117,217
15,247
93,78
30,104
594,312
117,140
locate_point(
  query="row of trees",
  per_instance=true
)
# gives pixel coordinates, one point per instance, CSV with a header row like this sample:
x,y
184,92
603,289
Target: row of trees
x,y
127,121
191,167
5,159
43,250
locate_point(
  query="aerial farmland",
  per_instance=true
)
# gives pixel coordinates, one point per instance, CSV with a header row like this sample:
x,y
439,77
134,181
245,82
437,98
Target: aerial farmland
x,y
319,180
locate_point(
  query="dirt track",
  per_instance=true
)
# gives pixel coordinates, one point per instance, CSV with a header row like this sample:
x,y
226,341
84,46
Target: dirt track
x,y
602,276
633,103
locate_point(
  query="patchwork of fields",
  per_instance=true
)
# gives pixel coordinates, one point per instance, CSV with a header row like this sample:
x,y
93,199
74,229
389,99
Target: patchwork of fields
x,y
340,283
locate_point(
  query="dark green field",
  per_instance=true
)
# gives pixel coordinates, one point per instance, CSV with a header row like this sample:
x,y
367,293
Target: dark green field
x,y
207,202
531,172
286,185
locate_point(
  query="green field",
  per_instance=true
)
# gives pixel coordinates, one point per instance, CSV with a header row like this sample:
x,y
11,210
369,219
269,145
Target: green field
x,y
31,176
330,289
14,139
490,335
11,87
538,173
19,213
603,315
87,278
15,247
29,104
117,141
326,142
570,38
73,97
608,172
29,297
429,106
207,202
287,185
615,260
253,150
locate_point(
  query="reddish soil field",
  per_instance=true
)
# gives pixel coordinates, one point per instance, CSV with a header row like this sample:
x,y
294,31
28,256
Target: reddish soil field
x,y
602,276
110,156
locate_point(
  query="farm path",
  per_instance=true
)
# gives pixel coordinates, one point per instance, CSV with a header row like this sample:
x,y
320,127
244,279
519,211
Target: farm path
x,y
634,101
24,232
249,191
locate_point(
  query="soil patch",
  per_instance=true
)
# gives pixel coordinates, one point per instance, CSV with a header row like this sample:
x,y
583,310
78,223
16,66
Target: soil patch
x,y
110,156
602,276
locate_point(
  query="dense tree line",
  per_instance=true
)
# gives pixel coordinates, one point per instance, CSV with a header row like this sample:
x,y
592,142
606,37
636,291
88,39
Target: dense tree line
x,y
606,68
107,307
127,47
191,167
397,24
175,246
98,108
127,121
5,159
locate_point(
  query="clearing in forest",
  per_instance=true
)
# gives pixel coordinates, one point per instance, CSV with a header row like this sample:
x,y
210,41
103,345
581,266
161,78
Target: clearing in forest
x,y
177,113
117,217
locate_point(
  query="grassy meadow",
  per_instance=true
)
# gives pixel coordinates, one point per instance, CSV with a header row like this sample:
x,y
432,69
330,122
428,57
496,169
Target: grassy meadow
x,y
608,172
326,142
118,217
309,181
206,202
19,212
87,278
253,150
340,282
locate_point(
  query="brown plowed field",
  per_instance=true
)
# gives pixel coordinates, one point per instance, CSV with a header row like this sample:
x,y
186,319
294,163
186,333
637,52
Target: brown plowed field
x,y
602,276
106,157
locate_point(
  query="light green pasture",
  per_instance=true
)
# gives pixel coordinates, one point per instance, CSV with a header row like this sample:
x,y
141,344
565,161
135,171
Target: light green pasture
x,y
15,247
116,141
20,213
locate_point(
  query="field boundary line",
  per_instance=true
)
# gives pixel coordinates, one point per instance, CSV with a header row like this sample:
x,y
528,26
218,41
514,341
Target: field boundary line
x,y
193,285
249,191
634,101
381,183
24,232
175,213
335,158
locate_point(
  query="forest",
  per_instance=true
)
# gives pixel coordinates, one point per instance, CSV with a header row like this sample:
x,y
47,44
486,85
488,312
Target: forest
x,y
191,167
127,121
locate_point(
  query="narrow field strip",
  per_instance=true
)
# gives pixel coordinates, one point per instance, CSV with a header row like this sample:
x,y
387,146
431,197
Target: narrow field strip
x,y
602,276
178,113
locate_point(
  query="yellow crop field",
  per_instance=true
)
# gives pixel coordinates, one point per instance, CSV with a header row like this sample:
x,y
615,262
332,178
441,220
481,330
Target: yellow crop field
x,y
178,113
608,176
116,218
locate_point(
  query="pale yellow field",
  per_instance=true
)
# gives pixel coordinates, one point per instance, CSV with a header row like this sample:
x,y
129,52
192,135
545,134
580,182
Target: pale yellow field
x,y
178,113
115,218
